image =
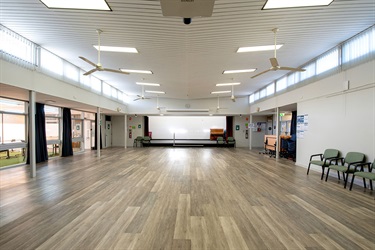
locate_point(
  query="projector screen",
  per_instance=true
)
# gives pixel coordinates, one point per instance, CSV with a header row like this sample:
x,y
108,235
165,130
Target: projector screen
x,y
184,127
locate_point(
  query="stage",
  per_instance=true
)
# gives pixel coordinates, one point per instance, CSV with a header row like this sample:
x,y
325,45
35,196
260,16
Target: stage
x,y
182,143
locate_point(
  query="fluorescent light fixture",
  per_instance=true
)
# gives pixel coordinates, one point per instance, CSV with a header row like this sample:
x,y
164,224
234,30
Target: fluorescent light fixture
x,y
228,84
238,71
116,49
155,92
221,92
137,71
77,4
147,84
277,4
187,110
259,48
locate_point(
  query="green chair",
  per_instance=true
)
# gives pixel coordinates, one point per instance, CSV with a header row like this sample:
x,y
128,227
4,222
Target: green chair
x,y
146,141
324,159
220,141
137,141
365,175
347,165
231,141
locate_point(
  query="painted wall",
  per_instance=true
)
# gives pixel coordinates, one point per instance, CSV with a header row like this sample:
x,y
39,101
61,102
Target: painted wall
x,y
17,76
257,137
118,131
134,122
240,135
338,117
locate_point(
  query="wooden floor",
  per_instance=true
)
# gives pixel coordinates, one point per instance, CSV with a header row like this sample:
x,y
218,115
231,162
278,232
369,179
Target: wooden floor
x,y
181,198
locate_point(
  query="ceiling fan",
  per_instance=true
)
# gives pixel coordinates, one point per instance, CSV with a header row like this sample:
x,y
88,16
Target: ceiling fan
x,y
274,62
142,96
218,108
233,98
98,66
157,104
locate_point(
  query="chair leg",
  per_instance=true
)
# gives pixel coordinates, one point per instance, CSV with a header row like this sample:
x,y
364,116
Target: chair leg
x,y
327,174
346,179
364,183
351,183
322,173
338,175
308,169
371,184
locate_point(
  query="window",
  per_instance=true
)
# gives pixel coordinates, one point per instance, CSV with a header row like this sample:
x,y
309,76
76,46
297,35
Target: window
x,y
14,128
256,96
12,106
359,46
71,72
52,128
310,71
96,84
17,46
328,61
291,79
262,93
251,98
281,84
270,89
51,62
106,89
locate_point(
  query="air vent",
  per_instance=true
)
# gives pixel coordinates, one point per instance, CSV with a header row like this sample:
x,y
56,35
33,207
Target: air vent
x,y
187,8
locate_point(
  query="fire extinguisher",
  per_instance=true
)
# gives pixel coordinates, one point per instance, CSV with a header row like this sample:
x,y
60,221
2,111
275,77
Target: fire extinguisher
x,y
130,133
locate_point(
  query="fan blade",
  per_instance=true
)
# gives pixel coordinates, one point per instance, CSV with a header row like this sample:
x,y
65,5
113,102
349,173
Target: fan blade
x,y
292,69
261,73
274,62
116,71
136,99
90,72
88,61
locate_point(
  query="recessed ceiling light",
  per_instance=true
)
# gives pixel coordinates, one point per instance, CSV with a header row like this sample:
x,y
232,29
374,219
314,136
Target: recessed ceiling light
x,y
77,4
277,4
155,92
221,92
238,71
258,48
116,49
137,71
147,84
228,84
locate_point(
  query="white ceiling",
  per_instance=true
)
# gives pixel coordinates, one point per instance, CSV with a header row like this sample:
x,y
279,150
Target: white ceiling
x,y
188,60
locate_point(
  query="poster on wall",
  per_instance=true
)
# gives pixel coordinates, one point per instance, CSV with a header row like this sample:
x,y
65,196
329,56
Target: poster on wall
x,y
305,122
300,126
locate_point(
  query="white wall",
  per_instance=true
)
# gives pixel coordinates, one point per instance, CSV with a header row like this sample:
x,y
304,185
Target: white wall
x,y
184,127
240,135
257,138
118,131
134,122
338,118
17,76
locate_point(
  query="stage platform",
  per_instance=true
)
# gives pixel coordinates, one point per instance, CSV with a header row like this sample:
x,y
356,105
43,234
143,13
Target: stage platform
x,y
183,143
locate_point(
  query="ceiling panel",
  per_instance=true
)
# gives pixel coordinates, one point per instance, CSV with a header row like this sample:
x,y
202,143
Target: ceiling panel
x,y
188,60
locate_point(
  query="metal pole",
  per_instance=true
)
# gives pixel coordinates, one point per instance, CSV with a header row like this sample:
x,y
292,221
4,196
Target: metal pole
x,y
98,133
277,132
126,130
32,151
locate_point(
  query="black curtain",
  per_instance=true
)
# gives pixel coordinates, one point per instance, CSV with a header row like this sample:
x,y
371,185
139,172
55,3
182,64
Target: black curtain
x,y
67,148
40,136
96,134
146,126
293,123
229,129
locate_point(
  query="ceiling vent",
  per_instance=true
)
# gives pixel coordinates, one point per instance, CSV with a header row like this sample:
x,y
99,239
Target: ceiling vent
x,y
187,8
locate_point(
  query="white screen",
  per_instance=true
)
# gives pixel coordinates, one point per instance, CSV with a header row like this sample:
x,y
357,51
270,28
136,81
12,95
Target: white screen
x,y
184,127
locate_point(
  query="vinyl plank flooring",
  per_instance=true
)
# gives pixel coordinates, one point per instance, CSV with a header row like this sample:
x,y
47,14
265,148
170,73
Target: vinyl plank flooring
x,y
180,198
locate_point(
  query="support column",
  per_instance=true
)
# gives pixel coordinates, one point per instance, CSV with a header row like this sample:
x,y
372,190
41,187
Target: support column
x,y
250,132
98,132
32,150
126,131
277,132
